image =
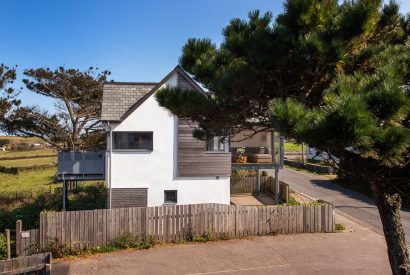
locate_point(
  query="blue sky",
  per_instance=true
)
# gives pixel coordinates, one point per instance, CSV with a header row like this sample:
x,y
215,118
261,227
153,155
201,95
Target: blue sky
x,y
135,40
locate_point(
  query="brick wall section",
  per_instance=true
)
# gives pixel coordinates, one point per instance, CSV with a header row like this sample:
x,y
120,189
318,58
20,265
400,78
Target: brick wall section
x,y
128,197
119,97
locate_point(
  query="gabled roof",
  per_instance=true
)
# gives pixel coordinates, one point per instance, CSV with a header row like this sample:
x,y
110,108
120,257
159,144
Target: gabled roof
x,y
118,97
114,111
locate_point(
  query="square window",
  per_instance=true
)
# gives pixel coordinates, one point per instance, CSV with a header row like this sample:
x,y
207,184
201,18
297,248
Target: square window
x,y
170,196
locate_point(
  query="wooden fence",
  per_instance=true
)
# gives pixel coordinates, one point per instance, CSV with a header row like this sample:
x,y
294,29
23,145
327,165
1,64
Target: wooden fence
x,y
249,185
93,228
25,239
39,264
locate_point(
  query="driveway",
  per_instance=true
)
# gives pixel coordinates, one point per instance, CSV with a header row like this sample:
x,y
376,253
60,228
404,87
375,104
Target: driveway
x,y
349,202
359,252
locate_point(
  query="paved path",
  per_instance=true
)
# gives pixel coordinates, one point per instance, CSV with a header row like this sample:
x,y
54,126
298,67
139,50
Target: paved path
x,y
354,204
359,252
248,199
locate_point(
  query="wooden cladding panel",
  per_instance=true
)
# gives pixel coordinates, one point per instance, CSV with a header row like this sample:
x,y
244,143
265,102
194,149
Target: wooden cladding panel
x,y
194,160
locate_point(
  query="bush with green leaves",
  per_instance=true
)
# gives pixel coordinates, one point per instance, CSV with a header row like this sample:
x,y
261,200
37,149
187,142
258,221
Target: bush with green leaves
x,y
3,247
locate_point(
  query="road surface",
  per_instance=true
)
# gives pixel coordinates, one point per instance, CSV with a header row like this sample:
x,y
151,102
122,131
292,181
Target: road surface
x,y
359,252
352,203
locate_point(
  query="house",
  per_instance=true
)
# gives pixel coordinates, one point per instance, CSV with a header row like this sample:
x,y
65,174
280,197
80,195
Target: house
x,y
153,159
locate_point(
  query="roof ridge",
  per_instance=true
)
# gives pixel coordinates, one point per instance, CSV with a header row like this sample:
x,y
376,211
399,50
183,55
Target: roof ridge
x,y
130,83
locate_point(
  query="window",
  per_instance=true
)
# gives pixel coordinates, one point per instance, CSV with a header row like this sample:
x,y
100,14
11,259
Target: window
x,y
170,196
215,144
132,141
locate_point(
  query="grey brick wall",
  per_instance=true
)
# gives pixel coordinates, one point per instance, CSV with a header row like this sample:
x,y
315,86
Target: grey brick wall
x,y
128,197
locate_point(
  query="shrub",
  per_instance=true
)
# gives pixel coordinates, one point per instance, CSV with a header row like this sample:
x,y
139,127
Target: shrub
x,y
3,247
244,173
340,227
57,249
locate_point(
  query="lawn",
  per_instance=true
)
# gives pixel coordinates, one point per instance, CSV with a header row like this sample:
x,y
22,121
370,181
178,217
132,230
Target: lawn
x,y
28,162
35,181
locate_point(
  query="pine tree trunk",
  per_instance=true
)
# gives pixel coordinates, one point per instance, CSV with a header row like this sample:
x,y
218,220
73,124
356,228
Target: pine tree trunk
x,y
389,204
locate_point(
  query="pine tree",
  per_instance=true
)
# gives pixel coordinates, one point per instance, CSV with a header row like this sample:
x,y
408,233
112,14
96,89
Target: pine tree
x,y
332,75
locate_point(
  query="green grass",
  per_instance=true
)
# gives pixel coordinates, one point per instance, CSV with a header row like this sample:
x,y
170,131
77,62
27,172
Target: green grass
x,y
31,153
292,146
22,139
28,162
35,181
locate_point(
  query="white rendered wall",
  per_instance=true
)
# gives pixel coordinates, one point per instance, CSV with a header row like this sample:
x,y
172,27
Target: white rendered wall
x,y
156,170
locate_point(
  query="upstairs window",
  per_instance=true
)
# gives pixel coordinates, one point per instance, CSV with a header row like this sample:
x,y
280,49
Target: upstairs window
x,y
215,144
133,141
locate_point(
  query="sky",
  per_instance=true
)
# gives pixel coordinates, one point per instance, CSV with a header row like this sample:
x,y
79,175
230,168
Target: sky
x,y
137,40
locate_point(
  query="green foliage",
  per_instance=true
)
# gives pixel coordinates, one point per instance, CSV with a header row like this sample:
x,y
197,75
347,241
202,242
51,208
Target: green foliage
x,y
365,111
77,95
28,207
3,247
60,250
340,227
4,142
191,236
297,55
244,173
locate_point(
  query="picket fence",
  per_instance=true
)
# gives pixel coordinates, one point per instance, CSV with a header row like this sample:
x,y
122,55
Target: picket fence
x,y
80,229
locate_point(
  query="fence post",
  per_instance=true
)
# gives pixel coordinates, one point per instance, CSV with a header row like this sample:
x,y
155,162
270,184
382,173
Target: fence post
x,y
19,228
8,244
258,181
277,187
48,264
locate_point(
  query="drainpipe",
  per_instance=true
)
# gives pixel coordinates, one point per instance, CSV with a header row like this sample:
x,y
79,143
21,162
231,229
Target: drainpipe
x,y
109,165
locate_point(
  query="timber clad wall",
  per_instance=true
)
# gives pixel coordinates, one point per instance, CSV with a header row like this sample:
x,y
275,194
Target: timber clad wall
x,y
92,228
194,161
183,83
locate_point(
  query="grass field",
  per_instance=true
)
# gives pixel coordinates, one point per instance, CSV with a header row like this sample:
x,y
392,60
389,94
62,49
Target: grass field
x,y
292,146
31,181
31,153
22,139
28,162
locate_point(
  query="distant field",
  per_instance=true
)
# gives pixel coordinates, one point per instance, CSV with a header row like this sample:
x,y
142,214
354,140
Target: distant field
x,y
30,153
28,162
22,139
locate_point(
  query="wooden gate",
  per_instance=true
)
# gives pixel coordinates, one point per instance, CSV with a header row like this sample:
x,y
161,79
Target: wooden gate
x,y
25,240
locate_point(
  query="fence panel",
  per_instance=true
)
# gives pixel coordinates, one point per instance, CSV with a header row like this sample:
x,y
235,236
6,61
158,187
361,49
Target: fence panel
x,y
35,264
172,223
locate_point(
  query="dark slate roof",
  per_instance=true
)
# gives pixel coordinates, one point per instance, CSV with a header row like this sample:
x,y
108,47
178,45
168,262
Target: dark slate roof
x,y
118,97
